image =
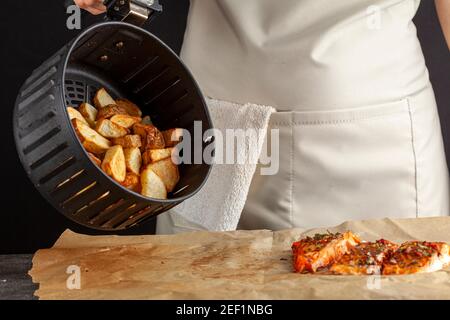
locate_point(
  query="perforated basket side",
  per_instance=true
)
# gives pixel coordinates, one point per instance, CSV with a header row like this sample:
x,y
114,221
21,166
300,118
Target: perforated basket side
x,y
55,163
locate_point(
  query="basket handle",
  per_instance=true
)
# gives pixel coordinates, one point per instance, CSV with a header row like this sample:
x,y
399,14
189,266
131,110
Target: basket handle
x,y
136,12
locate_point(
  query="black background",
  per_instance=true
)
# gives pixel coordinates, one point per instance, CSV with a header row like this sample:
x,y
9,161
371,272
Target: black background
x,y
33,30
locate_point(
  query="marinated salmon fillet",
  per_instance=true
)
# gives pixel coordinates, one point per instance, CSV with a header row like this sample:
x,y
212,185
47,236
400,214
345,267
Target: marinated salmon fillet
x,y
417,257
312,253
365,258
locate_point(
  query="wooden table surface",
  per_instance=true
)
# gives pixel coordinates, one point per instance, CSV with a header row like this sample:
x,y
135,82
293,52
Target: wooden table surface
x,y
15,283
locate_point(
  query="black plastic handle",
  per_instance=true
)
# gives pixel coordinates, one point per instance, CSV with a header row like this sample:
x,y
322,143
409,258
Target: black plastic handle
x,y
118,10
121,10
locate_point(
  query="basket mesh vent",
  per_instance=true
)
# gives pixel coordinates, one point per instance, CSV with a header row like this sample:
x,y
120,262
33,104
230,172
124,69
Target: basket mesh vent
x,y
75,92
78,92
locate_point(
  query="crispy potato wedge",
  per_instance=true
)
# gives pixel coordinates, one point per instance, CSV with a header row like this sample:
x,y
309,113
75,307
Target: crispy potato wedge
x,y
103,99
109,129
125,120
109,111
114,163
172,137
94,147
133,160
132,109
167,171
147,120
75,114
151,137
92,141
152,185
129,141
94,159
89,113
156,155
132,182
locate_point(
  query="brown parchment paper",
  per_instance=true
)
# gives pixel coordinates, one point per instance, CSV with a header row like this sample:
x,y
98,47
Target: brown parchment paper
x,y
229,265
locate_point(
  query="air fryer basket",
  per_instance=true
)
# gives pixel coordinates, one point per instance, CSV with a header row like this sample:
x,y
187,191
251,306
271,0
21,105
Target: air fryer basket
x,y
131,63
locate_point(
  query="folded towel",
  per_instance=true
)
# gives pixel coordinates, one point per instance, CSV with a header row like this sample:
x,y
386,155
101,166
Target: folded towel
x,y
218,205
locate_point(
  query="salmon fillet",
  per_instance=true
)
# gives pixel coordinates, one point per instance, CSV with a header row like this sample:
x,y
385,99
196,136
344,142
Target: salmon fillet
x,y
417,257
313,253
365,258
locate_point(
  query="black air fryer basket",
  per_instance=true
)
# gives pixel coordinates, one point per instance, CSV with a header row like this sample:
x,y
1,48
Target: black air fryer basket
x,y
130,63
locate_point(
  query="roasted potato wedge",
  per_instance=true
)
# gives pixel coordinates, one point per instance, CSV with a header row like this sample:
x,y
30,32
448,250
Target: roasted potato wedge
x,y
132,109
94,147
173,137
109,111
103,99
152,185
92,141
94,159
156,155
75,114
133,160
151,137
167,171
114,163
129,141
132,182
109,129
89,113
125,120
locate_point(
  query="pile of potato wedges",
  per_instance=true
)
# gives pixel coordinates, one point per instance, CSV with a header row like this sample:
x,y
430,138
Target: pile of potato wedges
x,y
126,145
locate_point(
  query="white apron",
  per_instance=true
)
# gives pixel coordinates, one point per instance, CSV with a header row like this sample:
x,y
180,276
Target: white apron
x,y
359,131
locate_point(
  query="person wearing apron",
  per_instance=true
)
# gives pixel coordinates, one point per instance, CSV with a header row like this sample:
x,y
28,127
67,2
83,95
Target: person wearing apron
x,y
360,136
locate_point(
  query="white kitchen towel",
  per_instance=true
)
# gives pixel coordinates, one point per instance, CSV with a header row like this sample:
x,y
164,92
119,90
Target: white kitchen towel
x,y
218,205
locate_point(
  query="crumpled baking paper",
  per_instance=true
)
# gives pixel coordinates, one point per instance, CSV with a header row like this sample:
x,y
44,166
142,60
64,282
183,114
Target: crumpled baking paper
x,y
225,265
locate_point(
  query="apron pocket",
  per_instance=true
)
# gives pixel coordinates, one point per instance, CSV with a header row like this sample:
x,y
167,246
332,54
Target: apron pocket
x,y
353,165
